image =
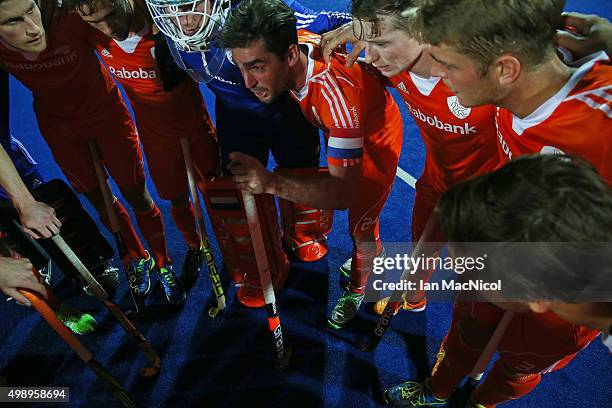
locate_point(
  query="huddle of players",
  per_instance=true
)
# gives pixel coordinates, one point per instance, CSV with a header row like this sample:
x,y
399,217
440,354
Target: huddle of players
x,y
482,94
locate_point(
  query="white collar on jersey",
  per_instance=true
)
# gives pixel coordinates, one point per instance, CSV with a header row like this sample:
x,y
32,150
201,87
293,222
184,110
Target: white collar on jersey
x,y
129,44
544,111
301,94
424,85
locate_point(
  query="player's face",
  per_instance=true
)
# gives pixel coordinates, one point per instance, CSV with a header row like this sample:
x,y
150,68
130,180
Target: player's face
x,y
191,22
21,26
264,73
391,50
112,17
461,75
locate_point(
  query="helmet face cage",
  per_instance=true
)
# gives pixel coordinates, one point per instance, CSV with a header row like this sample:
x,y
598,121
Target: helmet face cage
x,y
209,14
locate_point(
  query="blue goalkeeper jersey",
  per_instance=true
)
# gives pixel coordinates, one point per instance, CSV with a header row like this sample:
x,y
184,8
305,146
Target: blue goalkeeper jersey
x,y
24,163
228,85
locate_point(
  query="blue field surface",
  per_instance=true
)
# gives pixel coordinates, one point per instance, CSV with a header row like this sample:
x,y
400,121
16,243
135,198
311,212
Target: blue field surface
x,y
226,362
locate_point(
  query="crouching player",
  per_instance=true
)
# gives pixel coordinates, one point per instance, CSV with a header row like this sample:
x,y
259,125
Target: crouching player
x,y
359,117
547,330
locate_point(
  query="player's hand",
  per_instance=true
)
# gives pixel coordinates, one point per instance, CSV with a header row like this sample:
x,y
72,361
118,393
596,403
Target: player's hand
x,y
594,34
331,40
17,273
249,174
38,219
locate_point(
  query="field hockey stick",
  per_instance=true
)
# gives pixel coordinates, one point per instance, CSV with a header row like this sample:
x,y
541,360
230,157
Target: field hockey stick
x,y
395,301
215,280
281,354
462,395
101,373
114,223
79,349
101,294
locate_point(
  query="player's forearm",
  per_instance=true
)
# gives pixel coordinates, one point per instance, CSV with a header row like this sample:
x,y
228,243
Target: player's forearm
x,y
321,191
11,181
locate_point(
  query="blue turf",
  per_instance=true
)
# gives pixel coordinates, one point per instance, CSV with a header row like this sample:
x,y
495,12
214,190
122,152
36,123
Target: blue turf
x,y
226,362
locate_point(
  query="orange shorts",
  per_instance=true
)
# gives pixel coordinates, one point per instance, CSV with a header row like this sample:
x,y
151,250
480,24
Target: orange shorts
x,y
117,142
162,146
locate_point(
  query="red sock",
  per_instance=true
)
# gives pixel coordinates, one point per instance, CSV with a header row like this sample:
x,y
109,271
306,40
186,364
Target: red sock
x,y
152,228
132,242
184,219
362,265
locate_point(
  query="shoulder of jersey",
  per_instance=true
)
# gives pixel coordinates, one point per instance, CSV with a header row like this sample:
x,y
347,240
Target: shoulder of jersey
x,y
307,37
594,90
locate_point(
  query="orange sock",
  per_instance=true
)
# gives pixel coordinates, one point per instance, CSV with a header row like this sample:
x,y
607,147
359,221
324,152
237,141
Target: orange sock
x,y
132,242
185,221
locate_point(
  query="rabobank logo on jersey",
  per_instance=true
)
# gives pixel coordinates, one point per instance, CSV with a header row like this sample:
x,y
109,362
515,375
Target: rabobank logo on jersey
x,y
456,108
434,121
139,73
62,56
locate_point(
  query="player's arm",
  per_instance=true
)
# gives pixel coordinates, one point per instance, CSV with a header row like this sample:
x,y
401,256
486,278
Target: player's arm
x,y
37,218
336,190
17,273
594,33
317,22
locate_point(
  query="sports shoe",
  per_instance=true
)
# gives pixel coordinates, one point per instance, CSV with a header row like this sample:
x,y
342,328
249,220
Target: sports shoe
x,y
139,275
412,394
345,268
379,307
75,320
345,309
191,266
473,404
173,288
106,275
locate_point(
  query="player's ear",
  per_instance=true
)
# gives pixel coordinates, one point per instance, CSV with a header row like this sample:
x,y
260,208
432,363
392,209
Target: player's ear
x,y
507,69
539,307
293,54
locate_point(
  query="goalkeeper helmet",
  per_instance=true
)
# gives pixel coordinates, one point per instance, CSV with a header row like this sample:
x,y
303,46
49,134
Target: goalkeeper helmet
x,y
192,25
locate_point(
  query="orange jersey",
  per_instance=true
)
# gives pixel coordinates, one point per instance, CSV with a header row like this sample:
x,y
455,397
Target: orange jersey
x,y
351,105
460,142
67,81
158,113
576,120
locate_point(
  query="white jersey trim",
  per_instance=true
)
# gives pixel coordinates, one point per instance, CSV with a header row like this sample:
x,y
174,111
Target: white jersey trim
x,y
330,91
301,94
545,110
424,85
130,44
603,93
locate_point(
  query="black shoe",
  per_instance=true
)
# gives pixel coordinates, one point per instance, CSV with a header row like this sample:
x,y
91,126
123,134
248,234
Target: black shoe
x,y
107,275
192,265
